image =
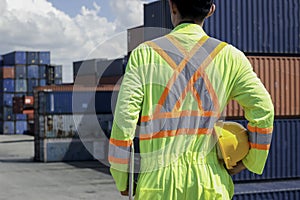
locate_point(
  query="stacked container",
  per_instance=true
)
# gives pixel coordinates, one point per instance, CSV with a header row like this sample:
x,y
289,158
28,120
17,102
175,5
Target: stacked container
x,y
20,73
63,114
268,33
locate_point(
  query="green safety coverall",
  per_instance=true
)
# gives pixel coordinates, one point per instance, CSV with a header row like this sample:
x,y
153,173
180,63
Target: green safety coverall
x,y
175,88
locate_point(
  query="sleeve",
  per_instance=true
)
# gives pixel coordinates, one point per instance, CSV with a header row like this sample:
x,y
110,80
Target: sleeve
x,y
251,94
126,115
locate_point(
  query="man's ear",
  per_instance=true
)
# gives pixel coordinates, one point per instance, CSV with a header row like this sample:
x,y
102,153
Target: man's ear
x,y
173,7
211,11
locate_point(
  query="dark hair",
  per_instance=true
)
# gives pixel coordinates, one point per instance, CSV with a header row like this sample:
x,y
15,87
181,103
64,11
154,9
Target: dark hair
x,y
195,9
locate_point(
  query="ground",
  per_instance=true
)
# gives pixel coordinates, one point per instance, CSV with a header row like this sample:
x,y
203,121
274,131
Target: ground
x,y
22,178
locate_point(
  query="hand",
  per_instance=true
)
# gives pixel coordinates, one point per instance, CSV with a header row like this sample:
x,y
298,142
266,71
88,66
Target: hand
x,y
237,169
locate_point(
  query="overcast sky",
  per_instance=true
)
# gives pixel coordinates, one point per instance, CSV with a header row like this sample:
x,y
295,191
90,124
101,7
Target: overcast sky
x,y
69,29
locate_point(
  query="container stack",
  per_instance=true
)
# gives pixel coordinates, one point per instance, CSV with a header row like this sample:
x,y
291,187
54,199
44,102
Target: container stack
x,y
268,33
72,123
20,73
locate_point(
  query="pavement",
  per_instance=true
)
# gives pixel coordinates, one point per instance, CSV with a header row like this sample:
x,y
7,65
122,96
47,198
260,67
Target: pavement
x,y
23,178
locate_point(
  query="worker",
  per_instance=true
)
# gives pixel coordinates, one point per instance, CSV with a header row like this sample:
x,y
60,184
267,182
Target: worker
x,y
173,92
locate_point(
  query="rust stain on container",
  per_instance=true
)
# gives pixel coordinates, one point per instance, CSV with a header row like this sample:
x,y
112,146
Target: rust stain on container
x,y
281,77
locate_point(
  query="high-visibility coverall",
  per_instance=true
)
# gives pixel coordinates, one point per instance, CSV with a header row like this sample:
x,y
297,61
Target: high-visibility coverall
x,y
175,88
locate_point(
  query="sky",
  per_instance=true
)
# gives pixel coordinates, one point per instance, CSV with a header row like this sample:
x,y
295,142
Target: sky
x,y
71,29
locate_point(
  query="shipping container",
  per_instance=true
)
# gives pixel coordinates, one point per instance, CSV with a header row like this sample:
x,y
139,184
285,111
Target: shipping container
x,y
7,127
32,58
21,117
284,156
281,77
42,82
8,114
59,99
7,72
58,72
31,84
57,150
42,72
254,26
1,61
7,99
33,72
268,190
135,36
58,81
87,67
21,127
15,58
20,72
21,85
7,85
44,58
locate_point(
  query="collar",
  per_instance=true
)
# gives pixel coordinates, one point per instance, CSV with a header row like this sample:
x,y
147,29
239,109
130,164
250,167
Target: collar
x,y
189,28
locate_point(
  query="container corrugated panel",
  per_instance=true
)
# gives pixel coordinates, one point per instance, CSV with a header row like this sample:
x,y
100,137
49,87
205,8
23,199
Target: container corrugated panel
x,y
68,149
7,72
21,85
31,84
42,82
15,58
44,58
284,156
33,71
254,26
21,127
281,77
20,72
8,114
7,85
32,58
58,81
21,117
7,127
268,190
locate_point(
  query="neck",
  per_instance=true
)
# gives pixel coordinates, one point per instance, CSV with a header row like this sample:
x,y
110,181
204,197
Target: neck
x,y
198,22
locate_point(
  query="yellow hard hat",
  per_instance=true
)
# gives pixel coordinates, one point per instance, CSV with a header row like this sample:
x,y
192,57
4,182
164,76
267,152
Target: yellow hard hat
x,y
233,143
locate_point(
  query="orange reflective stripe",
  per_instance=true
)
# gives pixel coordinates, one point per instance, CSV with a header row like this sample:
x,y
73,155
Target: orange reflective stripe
x,y
178,70
162,53
260,146
171,133
177,44
120,143
260,130
200,73
179,114
118,160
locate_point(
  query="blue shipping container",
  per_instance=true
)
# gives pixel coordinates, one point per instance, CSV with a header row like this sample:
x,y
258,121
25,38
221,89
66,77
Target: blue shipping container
x,y
20,72
268,190
58,81
15,58
42,72
58,71
44,58
7,127
21,85
61,102
284,156
31,84
1,61
253,26
42,82
7,85
33,71
21,117
21,127
32,58
8,99
8,114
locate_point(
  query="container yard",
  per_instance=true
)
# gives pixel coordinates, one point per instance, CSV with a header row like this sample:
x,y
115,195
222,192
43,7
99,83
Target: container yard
x,y
63,130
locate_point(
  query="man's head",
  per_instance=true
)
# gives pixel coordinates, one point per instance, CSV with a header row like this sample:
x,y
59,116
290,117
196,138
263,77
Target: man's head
x,y
191,10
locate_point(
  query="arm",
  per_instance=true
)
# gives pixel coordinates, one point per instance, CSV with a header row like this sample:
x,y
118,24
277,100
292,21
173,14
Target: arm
x,y
250,93
126,116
